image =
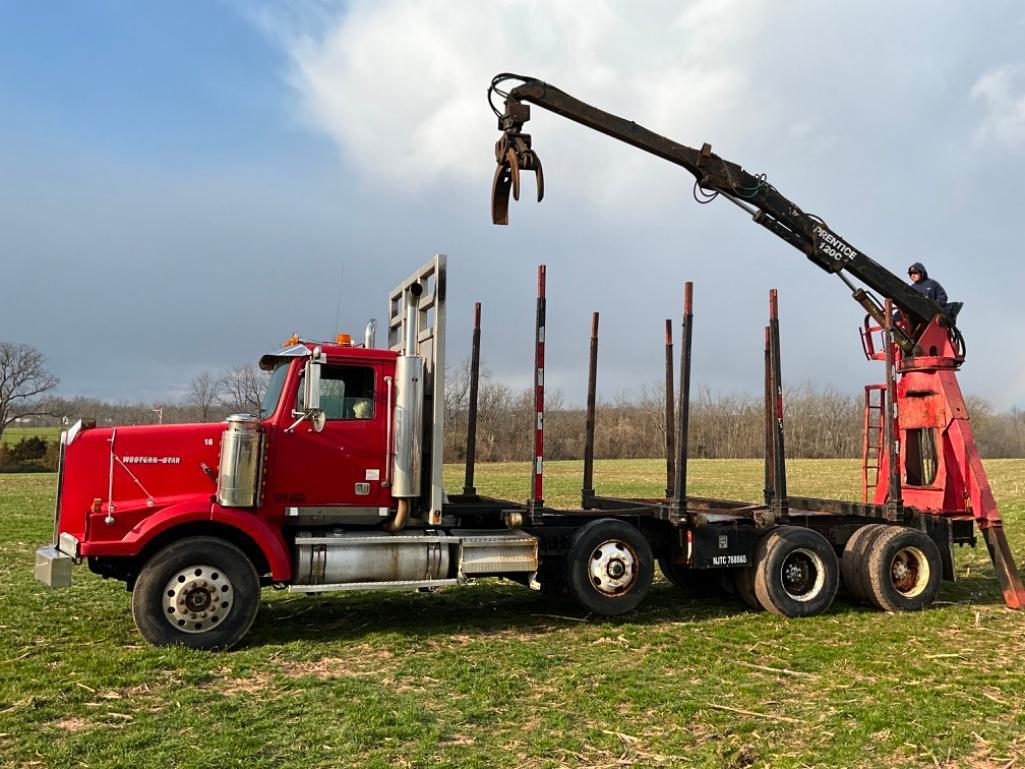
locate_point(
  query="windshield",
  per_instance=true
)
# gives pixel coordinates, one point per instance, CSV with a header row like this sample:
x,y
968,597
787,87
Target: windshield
x,y
274,388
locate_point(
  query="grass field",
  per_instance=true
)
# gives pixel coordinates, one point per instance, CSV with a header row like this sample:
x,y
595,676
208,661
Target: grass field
x,y
15,434
499,676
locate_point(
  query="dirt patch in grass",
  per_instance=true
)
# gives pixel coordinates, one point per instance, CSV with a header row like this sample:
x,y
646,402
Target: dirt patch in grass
x,y
72,725
253,684
371,664
337,667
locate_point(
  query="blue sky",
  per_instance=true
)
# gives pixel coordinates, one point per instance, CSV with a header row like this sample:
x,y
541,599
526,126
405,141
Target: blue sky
x,y
184,186
142,83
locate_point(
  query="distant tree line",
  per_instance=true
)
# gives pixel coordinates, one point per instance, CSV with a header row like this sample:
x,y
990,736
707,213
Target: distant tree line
x,y
820,421
210,398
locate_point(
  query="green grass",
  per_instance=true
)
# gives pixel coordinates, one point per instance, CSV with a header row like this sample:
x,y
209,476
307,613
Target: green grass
x,y
15,434
499,676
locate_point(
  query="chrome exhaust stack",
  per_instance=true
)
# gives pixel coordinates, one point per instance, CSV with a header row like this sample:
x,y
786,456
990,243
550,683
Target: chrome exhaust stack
x,y
238,475
407,462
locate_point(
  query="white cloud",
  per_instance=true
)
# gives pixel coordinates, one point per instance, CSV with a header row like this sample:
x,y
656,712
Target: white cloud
x,y
399,85
1002,91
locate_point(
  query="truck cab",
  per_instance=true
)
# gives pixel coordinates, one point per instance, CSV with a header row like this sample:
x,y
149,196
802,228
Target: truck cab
x,y
336,461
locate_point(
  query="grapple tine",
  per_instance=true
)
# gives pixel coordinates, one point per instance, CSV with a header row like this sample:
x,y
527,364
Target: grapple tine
x,y
500,195
540,177
514,172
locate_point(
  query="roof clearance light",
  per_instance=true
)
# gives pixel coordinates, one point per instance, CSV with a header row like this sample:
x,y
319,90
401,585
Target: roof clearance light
x,y
293,340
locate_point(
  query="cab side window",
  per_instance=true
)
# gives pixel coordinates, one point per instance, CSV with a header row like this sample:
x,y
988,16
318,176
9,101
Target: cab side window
x,y
346,392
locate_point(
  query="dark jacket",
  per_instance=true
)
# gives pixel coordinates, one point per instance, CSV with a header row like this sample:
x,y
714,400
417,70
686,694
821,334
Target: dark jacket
x,y
927,286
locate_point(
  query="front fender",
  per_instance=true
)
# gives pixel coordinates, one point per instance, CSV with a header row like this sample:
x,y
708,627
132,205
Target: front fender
x,y
267,538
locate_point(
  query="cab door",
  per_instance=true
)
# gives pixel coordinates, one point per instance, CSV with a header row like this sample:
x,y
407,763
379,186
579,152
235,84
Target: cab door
x,y
345,463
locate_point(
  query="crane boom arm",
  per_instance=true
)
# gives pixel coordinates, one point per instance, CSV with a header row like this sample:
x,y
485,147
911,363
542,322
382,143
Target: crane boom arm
x,y
713,175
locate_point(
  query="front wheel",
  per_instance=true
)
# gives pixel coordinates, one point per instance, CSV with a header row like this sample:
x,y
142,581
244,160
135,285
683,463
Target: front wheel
x,y
609,567
200,592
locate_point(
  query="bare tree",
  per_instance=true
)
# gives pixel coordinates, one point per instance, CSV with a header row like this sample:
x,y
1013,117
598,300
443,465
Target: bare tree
x,y
204,394
243,389
652,402
23,378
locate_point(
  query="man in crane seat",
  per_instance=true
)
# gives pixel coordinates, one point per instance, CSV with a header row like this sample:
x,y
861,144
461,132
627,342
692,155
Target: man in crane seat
x,y
921,283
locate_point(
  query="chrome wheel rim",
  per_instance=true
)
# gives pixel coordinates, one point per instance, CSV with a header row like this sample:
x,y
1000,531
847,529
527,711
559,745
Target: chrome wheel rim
x,y
198,598
612,567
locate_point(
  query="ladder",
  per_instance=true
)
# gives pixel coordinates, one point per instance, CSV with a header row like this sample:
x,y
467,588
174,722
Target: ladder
x,y
872,438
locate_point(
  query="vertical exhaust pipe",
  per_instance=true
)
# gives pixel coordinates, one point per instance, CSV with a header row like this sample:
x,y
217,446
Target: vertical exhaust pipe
x,y
407,464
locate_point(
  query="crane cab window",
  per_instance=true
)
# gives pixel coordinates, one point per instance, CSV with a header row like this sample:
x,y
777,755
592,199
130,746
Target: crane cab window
x,y
346,392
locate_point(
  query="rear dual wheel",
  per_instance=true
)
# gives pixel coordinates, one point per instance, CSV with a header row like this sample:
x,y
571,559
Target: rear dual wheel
x,y
795,573
855,558
894,568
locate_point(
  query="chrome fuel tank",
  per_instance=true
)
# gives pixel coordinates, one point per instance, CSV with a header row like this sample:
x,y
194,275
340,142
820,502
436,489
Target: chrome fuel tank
x,y
370,556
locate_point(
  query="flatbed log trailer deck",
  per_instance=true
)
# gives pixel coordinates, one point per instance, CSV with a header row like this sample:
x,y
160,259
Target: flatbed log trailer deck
x,y
336,485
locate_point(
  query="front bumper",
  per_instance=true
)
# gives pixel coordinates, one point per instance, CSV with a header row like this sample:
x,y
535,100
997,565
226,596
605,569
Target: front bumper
x,y
53,568
54,562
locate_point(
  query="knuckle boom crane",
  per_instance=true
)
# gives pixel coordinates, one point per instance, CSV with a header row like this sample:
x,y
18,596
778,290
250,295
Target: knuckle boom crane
x,y
934,464
713,176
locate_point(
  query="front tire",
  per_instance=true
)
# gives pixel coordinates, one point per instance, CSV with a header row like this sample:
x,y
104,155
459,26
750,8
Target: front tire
x,y
199,592
609,567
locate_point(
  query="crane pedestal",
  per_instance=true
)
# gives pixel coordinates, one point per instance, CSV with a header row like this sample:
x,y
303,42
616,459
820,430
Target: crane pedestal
x,y
941,469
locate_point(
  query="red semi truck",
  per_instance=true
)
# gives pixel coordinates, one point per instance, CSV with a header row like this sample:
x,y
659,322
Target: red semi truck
x,y
336,485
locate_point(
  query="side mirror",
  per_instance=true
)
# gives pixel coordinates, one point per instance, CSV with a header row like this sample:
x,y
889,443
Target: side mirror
x,y
311,382
311,396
